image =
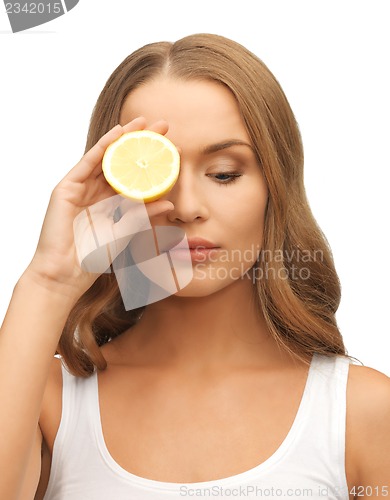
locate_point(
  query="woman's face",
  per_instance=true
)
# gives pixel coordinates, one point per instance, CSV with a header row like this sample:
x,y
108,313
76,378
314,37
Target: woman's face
x,y
220,195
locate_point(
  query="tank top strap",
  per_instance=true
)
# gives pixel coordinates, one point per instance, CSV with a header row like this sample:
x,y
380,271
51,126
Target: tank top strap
x,y
323,432
78,397
75,430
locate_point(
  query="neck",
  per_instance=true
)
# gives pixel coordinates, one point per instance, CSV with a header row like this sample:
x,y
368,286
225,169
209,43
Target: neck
x,y
223,330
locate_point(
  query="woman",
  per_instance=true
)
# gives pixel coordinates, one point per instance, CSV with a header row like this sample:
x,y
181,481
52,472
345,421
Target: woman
x,y
237,385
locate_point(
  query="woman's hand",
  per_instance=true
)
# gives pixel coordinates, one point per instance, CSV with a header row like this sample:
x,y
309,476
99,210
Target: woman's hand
x,y
55,262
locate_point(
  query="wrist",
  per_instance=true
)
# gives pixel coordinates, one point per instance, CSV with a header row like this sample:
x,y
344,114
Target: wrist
x,y
68,293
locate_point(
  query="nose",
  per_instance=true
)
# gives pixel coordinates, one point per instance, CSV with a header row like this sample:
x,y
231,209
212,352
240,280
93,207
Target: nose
x,y
188,198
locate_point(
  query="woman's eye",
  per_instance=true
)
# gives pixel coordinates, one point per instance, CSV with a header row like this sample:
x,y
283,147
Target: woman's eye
x,y
225,178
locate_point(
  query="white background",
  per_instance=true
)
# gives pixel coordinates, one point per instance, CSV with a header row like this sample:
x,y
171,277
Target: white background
x,y
332,60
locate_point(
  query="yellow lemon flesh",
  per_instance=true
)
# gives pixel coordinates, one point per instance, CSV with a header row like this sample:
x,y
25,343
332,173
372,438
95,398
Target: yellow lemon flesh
x,y
141,165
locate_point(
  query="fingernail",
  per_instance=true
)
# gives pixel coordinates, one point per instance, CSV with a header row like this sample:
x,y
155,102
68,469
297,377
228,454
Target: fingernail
x,y
168,208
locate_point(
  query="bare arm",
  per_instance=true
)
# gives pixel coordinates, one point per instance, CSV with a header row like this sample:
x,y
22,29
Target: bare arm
x,y
40,305
369,431
28,341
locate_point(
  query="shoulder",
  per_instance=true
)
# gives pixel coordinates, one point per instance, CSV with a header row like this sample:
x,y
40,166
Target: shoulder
x,y
368,393
368,423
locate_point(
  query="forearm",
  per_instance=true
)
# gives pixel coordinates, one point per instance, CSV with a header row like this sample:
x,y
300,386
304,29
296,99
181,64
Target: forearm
x,y
28,340
40,305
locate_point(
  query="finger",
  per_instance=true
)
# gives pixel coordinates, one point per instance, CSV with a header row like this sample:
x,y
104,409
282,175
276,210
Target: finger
x,y
161,127
134,216
90,163
93,157
158,207
99,238
137,124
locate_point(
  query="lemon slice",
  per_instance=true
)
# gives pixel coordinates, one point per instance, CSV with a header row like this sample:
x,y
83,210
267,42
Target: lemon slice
x,y
141,165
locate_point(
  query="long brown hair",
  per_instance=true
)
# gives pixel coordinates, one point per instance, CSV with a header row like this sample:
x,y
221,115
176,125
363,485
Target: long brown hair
x,y
297,286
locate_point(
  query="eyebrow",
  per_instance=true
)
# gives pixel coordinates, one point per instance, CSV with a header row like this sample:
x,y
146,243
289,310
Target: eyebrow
x,y
213,148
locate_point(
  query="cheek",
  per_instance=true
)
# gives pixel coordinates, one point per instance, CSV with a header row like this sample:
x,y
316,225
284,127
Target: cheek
x,y
243,217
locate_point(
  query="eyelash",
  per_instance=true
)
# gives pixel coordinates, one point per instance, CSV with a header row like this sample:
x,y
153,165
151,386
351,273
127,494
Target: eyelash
x,y
231,178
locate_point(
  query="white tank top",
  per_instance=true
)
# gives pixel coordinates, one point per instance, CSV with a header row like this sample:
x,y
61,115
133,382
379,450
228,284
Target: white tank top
x,y
309,463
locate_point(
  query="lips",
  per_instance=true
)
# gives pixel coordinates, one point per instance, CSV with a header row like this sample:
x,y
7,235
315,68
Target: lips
x,y
194,248
200,244
198,249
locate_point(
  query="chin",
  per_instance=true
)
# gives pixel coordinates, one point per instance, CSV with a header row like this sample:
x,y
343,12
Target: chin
x,y
204,288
